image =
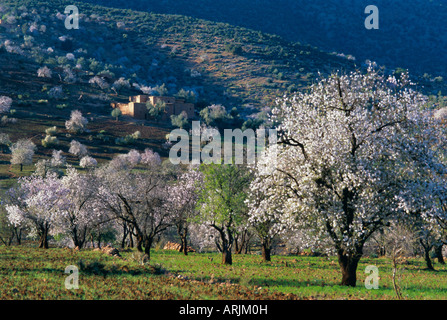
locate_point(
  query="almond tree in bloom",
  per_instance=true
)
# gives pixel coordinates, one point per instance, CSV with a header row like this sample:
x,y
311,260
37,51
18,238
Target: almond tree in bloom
x,y
139,199
44,72
424,198
348,150
77,123
88,162
183,203
79,213
266,218
78,149
36,203
5,104
22,152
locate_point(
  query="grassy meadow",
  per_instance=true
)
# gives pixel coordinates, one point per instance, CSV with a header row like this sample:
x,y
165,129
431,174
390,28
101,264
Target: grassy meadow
x,y
30,273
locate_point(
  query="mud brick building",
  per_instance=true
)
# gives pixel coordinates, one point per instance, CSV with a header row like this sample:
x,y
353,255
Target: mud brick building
x,y
137,108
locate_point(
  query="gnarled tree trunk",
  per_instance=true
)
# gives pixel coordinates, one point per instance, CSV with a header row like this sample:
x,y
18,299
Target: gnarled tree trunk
x,y
348,264
227,240
183,234
147,246
43,239
226,255
266,252
438,253
427,247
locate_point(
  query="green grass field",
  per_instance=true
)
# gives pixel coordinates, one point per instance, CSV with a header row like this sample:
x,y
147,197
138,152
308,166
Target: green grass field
x,y
29,273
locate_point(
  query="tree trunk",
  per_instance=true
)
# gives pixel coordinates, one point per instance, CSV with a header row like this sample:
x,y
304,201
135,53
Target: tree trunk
x,y
348,265
21,167
226,249
241,242
10,239
266,248
237,249
43,241
183,234
226,256
427,247
18,234
140,243
123,240
147,247
266,252
395,284
99,240
78,240
227,240
131,240
183,245
438,252
428,259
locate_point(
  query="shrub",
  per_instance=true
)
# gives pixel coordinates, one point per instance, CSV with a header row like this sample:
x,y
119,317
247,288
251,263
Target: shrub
x,y
128,139
51,131
50,141
180,121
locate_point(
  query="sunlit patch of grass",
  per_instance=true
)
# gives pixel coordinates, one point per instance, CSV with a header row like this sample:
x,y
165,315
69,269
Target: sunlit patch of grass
x,y
30,273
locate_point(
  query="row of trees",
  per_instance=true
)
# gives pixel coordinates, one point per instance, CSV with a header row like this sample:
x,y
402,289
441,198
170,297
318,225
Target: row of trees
x,y
137,196
357,154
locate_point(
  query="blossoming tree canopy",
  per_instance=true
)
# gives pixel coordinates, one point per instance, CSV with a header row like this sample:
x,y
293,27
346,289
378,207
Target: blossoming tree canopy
x,y
346,149
38,203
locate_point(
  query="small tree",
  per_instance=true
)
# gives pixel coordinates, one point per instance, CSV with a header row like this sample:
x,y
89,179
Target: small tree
x,y
5,142
157,110
88,162
187,95
44,72
215,115
5,104
400,242
180,121
222,202
77,123
78,149
37,204
161,90
120,84
139,199
183,200
50,141
22,152
116,113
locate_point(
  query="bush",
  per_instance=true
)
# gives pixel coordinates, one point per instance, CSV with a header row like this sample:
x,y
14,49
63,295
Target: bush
x,y
129,139
234,49
50,141
51,131
180,121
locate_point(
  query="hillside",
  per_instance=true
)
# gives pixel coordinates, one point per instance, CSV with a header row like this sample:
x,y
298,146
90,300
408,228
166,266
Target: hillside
x,y
412,33
221,64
